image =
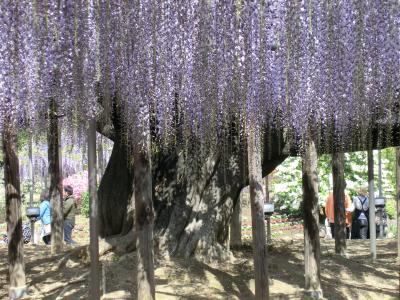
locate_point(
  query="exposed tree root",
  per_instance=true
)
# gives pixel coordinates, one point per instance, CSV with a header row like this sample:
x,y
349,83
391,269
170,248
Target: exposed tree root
x,y
118,244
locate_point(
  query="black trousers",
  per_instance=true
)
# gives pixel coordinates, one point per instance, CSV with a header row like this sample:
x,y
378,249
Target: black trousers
x,y
360,229
47,239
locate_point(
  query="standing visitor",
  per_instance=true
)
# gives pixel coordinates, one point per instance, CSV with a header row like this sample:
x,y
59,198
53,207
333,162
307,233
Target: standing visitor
x,y
361,214
45,217
330,214
69,212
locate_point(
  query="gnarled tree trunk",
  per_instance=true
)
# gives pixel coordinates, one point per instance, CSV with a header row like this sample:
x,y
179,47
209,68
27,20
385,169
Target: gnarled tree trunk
x,y
193,197
194,202
115,194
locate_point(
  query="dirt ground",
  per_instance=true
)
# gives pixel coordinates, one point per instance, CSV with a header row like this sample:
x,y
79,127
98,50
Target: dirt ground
x,y
354,278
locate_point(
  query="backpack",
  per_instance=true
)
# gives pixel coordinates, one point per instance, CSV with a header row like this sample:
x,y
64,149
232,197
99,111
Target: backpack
x,y
362,215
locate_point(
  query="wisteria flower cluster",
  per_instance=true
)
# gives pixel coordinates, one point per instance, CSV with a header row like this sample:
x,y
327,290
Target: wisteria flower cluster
x,y
196,67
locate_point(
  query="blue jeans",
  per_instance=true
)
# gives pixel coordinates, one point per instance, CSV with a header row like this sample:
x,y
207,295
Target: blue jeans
x,y
68,226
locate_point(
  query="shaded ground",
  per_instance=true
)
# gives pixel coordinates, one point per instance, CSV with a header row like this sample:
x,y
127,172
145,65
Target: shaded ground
x,y
353,278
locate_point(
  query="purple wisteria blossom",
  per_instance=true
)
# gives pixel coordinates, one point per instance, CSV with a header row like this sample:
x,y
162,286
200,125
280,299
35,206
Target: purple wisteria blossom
x,y
194,68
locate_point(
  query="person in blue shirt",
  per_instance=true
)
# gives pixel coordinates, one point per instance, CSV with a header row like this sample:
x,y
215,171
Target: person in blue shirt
x,y
45,217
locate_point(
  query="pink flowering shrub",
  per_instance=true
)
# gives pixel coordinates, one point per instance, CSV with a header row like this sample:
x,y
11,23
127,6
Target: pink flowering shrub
x,y
79,183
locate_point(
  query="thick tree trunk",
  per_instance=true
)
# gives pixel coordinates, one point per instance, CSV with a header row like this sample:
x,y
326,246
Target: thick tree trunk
x,y
13,214
194,197
94,216
144,220
311,223
54,155
398,200
115,194
372,226
338,203
236,225
257,215
194,194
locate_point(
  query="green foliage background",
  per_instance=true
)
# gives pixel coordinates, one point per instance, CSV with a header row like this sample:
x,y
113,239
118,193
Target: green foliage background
x,y
85,204
286,185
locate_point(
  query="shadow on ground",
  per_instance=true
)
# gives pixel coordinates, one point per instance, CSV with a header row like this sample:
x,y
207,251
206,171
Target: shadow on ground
x,y
354,278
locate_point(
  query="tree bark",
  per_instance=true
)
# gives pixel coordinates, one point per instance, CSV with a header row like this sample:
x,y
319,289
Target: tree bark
x,y
372,226
93,211
338,203
194,197
54,155
312,249
257,215
115,194
398,199
13,213
144,219
236,225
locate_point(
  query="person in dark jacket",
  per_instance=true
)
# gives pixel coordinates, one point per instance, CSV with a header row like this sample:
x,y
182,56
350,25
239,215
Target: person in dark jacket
x,y
69,212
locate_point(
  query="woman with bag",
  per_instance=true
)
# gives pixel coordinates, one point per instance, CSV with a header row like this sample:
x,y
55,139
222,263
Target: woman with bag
x,y
45,217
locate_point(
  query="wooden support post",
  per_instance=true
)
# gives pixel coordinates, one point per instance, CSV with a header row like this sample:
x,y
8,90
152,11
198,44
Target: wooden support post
x,y
338,203
56,189
100,157
380,173
13,213
257,215
236,225
380,193
144,218
398,200
31,184
94,214
267,200
372,225
312,251
83,156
